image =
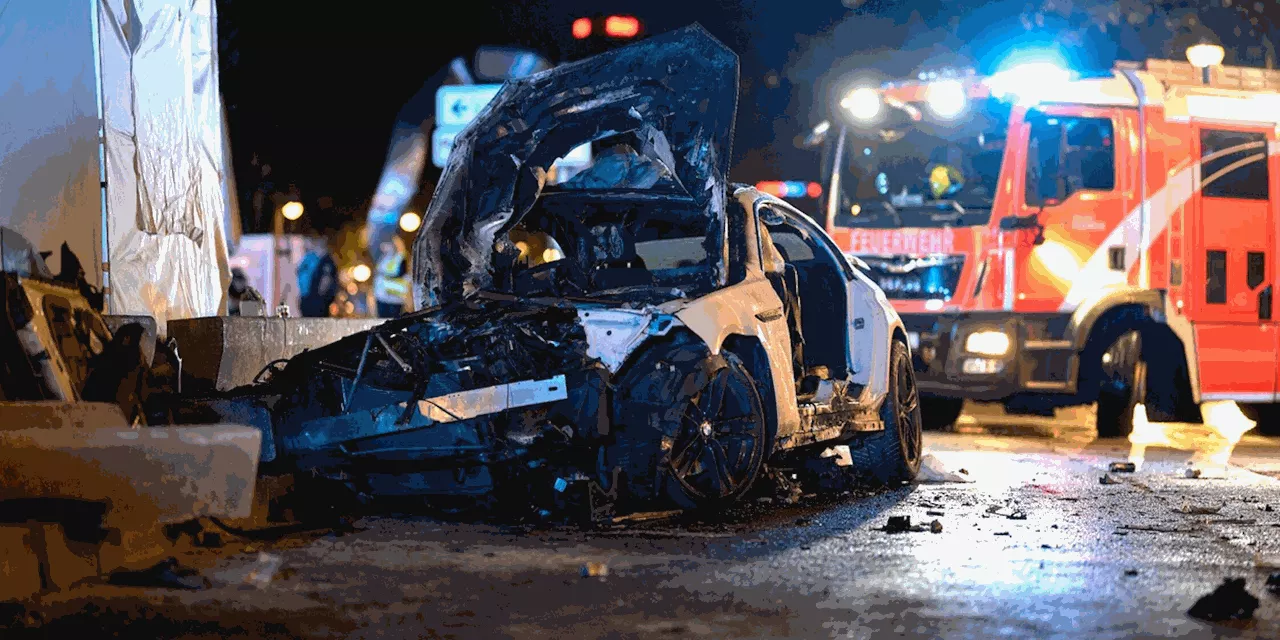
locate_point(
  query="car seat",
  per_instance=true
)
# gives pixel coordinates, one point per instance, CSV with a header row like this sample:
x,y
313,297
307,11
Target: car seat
x,y
624,267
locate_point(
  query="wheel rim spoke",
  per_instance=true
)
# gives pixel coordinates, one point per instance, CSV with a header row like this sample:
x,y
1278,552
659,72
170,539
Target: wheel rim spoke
x,y
724,478
720,427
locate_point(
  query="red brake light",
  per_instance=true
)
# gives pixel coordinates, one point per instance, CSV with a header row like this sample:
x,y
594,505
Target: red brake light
x,y
581,28
621,26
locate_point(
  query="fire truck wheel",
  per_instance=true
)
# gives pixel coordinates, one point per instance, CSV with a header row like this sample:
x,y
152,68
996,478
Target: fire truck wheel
x,y
940,414
893,455
1122,387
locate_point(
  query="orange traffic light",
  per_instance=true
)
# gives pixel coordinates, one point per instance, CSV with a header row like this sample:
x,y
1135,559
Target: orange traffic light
x,y
622,26
582,28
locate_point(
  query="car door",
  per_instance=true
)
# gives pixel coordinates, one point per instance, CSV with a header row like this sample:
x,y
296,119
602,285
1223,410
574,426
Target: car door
x,y
1235,329
851,320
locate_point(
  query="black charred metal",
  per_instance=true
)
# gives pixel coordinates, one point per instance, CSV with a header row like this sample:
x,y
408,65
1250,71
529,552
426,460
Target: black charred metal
x,y
674,95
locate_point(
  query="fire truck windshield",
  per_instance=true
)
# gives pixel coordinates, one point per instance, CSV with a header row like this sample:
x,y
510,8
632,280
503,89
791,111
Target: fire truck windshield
x,y
925,174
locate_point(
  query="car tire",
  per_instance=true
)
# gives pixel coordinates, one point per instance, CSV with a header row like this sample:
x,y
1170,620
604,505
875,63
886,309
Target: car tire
x,y
1121,389
940,414
692,428
893,455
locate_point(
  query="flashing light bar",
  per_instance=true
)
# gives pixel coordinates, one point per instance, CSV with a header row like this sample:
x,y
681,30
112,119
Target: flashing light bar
x,y
622,26
790,188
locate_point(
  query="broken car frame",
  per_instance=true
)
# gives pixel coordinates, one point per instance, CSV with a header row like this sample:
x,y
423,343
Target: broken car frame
x,y
653,350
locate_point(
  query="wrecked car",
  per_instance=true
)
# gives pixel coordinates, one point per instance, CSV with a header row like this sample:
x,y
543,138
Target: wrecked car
x,y
641,332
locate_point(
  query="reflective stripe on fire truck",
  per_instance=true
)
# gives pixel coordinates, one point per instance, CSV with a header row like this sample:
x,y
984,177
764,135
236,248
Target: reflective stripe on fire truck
x,y
1096,273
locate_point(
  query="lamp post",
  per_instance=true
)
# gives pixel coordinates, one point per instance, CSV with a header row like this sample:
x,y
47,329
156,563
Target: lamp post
x,y
1203,56
292,210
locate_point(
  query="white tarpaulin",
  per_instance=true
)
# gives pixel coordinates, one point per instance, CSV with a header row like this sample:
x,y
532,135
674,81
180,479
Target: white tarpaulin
x,y
166,168
49,167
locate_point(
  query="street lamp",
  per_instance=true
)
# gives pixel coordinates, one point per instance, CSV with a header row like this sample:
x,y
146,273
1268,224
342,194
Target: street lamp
x,y
1203,56
410,221
292,210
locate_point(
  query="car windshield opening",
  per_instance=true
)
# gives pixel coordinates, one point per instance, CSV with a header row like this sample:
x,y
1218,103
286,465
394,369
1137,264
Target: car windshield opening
x,y
593,245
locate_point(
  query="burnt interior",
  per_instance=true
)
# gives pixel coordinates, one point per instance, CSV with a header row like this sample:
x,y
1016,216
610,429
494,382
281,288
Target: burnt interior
x,y
607,244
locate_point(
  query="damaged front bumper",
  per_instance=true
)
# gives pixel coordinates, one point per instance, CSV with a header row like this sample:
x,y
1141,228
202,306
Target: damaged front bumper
x,y
478,398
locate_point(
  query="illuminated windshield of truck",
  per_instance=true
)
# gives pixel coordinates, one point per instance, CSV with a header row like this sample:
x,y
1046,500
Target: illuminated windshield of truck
x,y
920,174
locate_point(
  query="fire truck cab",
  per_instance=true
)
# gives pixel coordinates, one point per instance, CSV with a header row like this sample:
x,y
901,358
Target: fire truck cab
x,y
1054,240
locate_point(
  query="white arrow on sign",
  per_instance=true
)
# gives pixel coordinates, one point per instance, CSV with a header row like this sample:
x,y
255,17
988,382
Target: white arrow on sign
x,y
458,104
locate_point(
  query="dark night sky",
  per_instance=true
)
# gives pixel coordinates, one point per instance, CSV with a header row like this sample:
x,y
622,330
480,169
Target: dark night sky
x,y
314,91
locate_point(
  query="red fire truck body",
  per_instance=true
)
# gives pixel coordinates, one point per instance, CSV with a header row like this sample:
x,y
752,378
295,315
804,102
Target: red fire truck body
x,y
1124,251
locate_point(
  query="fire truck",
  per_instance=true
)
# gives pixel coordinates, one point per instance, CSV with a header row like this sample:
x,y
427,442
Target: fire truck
x,y
1054,239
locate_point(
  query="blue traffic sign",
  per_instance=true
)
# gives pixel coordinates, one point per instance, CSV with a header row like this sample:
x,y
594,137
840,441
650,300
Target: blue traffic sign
x,y
459,104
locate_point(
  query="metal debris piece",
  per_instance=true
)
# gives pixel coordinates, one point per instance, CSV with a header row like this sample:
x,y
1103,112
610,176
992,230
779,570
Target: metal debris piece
x,y
1230,601
595,570
935,527
932,512
1192,473
1002,533
1122,467
1131,572
1108,479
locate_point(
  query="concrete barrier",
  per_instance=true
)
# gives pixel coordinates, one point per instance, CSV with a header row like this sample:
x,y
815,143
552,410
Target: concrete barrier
x,y
225,352
150,332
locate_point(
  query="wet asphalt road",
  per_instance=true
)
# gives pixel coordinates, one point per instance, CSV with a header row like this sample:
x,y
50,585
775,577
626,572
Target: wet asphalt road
x,y
1089,560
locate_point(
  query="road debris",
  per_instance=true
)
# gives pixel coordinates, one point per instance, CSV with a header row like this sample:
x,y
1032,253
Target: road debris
x,y
595,570
1131,572
897,524
1122,467
644,516
165,573
1002,533
1007,512
1192,473
933,471
1199,510
934,512
1108,479
1155,528
1230,601
1273,583
264,571
902,524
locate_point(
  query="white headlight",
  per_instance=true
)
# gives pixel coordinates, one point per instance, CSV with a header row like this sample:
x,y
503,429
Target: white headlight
x,y
862,103
987,343
946,98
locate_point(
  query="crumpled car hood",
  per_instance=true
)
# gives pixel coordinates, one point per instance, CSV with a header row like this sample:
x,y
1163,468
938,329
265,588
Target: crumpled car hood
x,y
676,94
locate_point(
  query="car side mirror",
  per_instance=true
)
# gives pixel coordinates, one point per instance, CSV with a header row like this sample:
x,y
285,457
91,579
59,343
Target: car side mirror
x,y
1016,223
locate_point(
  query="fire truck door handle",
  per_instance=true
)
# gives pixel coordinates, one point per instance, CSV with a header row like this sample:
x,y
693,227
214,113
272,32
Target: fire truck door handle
x,y
1264,303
